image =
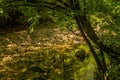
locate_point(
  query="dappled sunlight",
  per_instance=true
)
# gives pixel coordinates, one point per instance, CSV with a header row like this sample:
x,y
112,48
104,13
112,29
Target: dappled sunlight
x,y
20,50
59,40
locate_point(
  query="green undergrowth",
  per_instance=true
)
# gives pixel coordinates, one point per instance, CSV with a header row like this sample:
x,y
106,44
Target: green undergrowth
x,y
48,64
46,54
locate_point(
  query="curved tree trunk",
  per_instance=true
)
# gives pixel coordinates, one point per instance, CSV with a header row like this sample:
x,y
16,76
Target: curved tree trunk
x,y
101,64
91,34
89,44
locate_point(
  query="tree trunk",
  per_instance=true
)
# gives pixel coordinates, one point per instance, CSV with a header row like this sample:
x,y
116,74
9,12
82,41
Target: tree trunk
x,y
91,34
98,62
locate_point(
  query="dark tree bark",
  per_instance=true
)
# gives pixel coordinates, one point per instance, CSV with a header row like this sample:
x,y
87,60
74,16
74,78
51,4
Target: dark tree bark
x,y
89,44
101,64
91,34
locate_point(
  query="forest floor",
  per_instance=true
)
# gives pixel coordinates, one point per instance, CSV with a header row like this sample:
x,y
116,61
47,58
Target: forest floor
x,y
17,44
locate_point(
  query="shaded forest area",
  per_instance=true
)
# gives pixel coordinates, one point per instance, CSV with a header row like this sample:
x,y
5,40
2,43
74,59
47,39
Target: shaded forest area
x,y
59,40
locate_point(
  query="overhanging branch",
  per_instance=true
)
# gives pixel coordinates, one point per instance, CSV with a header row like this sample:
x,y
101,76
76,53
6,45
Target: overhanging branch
x,y
43,4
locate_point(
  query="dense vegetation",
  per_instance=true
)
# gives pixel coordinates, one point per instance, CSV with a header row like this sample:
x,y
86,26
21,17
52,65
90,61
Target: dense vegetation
x,y
98,23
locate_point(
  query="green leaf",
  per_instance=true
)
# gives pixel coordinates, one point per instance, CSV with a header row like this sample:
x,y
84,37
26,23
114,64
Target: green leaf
x,y
31,29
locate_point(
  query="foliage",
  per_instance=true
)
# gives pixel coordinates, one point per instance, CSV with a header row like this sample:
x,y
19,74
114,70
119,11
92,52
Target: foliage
x,y
46,64
103,14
